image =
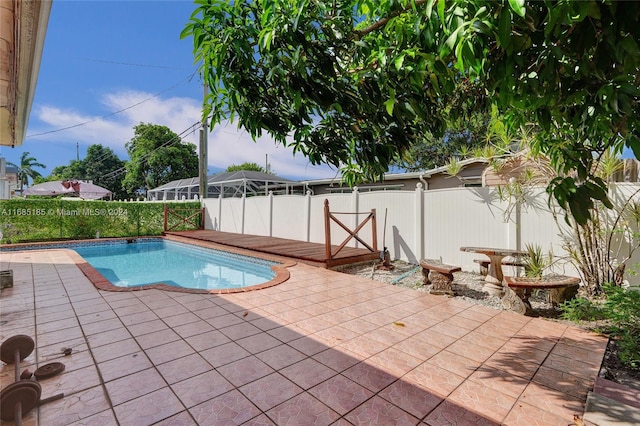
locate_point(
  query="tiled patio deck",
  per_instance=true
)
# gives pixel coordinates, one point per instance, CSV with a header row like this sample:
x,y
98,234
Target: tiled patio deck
x,y
321,348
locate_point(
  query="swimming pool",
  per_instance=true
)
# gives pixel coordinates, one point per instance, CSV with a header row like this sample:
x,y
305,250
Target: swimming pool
x,y
147,261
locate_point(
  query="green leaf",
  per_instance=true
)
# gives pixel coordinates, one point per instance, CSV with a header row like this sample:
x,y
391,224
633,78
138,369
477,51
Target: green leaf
x,y
398,62
633,142
389,105
429,8
629,45
518,7
450,43
441,11
504,28
579,211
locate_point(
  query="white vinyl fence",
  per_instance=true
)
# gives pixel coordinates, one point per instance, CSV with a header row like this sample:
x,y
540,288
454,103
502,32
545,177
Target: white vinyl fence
x,y
413,225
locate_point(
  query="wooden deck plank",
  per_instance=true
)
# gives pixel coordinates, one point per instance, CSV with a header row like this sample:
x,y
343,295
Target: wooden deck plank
x,y
313,253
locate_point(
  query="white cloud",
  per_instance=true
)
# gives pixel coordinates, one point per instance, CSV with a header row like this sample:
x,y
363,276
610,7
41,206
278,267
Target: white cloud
x,y
227,144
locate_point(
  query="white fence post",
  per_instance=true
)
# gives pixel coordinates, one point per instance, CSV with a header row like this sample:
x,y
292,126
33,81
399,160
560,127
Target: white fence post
x,y
220,198
307,216
355,202
271,213
242,213
512,224
419,230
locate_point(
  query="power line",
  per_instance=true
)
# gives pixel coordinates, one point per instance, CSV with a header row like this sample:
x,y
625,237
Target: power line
x,y
131,64
111,114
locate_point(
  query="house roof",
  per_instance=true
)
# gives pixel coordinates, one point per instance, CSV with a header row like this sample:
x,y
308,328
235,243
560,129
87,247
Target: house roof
x,y
404,176
26,25
253,180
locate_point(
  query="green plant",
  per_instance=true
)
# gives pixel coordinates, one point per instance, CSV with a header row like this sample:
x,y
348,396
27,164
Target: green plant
x,y
536,262
622,307
601,248
581,309
619,316
55,219
454,167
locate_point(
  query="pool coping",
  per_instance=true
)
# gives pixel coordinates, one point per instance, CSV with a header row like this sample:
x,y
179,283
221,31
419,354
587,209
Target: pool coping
x,y
101,283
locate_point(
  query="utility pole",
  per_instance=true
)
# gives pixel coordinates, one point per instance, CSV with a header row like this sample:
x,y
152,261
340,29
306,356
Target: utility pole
x,y
77,151
202,169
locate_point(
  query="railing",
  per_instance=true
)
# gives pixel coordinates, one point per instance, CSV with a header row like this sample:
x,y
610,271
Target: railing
x,y
196,220
329,216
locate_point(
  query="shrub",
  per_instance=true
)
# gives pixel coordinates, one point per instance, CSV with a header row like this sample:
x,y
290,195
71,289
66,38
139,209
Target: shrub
x,y
619,312
55,219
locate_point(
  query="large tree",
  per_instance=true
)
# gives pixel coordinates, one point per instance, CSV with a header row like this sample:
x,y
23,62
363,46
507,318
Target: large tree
x,y
254,167
356,83
101,166
157,156
464,137
26,169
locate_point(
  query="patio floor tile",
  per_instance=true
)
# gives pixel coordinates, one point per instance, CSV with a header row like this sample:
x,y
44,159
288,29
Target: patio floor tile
x,y
303,409
411,398
489,403
169,352
269,391
201,387
245,370
224,354
183,368
307,373
77,407
369,376
341,394
377,411
281,356
321,348
134,385
149,408
450,413
231,408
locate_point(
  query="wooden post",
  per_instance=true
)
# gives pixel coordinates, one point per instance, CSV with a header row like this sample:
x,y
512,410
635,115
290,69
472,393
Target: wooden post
x,y
202,218
166,214
374,230
327,230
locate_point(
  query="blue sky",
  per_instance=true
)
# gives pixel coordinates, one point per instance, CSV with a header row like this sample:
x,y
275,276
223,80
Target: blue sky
x,y
109,65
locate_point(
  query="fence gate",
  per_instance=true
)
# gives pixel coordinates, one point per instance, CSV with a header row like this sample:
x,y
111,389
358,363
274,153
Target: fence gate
x,y
183,218
329,216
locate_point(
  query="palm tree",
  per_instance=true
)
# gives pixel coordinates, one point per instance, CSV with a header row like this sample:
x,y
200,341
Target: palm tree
x,y
25,169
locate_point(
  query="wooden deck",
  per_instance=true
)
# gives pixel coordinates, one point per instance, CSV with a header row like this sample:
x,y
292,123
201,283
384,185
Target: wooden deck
x,y
311,253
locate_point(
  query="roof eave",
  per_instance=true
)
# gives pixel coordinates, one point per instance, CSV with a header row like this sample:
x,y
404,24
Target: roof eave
x,y
24,29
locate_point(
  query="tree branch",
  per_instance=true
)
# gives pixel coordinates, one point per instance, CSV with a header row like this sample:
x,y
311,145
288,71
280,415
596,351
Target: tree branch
x,y
382,22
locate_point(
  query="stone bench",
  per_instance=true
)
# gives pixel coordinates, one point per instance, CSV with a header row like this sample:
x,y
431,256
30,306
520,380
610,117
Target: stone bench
x,y
439,275
518,289
484,264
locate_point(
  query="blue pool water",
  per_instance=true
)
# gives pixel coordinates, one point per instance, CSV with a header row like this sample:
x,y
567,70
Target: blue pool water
x,y
152,261
180,265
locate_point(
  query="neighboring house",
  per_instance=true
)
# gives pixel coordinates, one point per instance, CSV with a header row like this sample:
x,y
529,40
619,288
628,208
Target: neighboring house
x,y
12,178
438,178
23,25
473,172
541,172
229,184
8,180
